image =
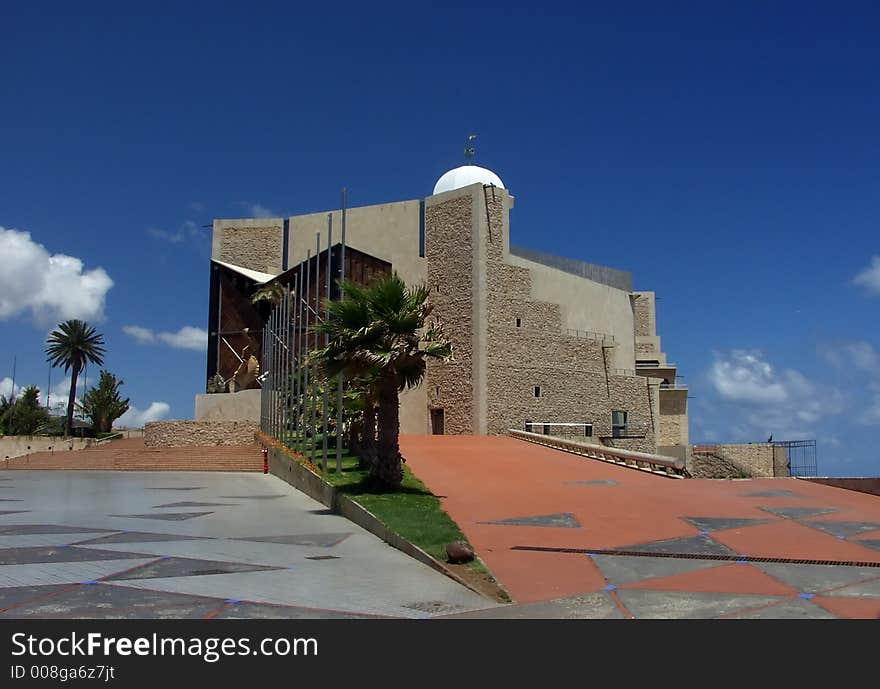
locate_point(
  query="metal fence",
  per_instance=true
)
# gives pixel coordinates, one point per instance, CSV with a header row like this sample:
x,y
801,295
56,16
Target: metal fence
x,y
801,455
295,403
602,274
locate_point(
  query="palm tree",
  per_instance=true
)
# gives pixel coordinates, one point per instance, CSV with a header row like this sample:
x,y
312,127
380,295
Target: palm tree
x,y
72,345
103,403
384,330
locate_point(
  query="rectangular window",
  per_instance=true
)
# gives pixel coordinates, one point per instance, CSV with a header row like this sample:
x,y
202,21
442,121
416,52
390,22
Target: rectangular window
x,y
588,430
537,391
519,322
618,423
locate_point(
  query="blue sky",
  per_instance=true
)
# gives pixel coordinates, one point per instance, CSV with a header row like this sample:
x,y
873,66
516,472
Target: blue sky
x,y
725,153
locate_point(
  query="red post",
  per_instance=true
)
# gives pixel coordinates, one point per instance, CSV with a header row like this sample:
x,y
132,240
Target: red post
x,y
265,460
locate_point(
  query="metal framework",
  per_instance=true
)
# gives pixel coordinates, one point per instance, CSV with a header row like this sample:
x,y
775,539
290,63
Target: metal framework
x,y
801,455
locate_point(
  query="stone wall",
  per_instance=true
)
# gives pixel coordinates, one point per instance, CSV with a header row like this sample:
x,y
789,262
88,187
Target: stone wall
x,y
449,249
759,459
711,465
572,373
673,418
643,314
199,433
257,245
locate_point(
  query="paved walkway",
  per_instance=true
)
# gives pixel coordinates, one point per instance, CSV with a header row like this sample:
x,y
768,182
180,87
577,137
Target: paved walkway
x,y
659,547
198,545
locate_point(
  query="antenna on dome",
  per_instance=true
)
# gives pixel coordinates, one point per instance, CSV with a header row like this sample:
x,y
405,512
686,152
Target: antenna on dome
x,y
468,148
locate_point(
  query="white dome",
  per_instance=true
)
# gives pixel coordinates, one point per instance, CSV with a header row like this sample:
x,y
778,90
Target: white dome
x,y
464,176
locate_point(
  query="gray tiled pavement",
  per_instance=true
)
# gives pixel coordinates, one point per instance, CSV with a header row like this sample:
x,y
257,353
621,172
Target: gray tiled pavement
x,y
191,567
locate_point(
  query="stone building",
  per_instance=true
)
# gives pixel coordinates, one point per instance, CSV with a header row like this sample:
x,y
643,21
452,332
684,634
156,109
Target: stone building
x,y
538,339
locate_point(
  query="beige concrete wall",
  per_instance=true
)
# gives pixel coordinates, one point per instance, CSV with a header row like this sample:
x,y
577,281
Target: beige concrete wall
x,y
388,231
229,406
585,305
20,445
254,243
199,433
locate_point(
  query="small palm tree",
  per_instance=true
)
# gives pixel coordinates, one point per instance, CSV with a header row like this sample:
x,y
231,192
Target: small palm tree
x,y
72,345
384,331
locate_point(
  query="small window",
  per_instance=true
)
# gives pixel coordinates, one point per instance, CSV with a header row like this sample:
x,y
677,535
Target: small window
x,y
537,391
546,429
519,322
618,423
588,430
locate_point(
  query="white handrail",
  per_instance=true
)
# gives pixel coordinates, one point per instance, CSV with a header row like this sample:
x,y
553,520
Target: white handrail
x,y
614,454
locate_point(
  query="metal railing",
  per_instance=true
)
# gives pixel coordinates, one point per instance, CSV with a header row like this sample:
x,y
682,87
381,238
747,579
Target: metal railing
x,y
661,465
590,335
612,277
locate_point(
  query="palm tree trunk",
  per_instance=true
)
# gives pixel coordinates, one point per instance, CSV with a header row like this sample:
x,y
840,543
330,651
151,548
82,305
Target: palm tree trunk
x,y
368,433
387,470
354,438
68,423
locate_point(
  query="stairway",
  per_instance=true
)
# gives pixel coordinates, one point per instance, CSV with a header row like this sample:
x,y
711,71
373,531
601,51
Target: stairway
x,y
130,454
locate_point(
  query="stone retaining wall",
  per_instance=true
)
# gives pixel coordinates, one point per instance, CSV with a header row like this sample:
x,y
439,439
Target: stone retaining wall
x,y
199,433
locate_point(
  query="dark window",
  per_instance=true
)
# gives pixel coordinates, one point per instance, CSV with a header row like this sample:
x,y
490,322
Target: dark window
x,y
546,429
618,423
588,430
537,391
519,322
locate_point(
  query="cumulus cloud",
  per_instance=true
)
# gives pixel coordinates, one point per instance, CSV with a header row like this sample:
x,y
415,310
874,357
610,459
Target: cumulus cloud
x,y
136,418
6,388
188,337
869,278
58,394
783,402
52,287
745,377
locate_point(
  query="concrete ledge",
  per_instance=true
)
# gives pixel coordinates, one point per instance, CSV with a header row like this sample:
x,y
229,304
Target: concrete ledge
x,y
229,406
199,433
285,467
862,485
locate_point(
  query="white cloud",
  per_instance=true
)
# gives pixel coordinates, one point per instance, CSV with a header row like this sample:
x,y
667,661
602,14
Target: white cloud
x,y
783,402
135,418
53,287
187,230
141,335
745,377
188,337
6,388
869,278
859,355
258,210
